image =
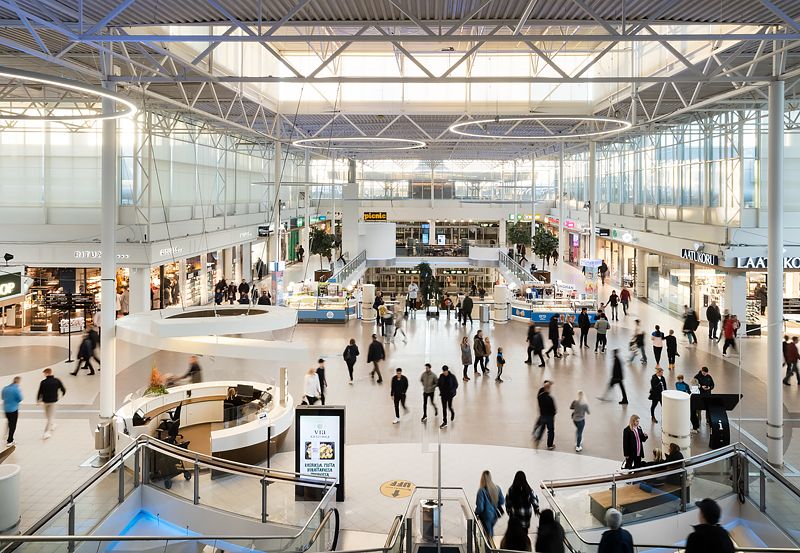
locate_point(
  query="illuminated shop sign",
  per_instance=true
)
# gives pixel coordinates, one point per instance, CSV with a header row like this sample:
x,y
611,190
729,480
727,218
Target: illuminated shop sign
x,y
761,262
96,254
370,216
263,230
600,231
700,257
164,252
10,285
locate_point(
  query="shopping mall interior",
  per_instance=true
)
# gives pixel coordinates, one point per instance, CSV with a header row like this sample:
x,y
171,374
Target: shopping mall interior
x,y
382,276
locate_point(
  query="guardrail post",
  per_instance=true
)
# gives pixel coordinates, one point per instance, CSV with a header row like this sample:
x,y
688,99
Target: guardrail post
x,y
137,466
196,481
71,526
121,469
264,514
146,465
614,494
762,489
684,490
470,534
409,536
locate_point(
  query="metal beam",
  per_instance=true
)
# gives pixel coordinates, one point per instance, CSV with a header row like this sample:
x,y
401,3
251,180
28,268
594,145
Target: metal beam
x,y
405,11
782,14
336,53
121,7
464,20
291,13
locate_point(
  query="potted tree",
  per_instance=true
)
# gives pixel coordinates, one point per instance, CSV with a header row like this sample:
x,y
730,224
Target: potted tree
x,y
321,244
519,233
545,245
429,289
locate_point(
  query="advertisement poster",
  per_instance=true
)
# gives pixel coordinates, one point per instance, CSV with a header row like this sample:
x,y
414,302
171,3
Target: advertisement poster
x,y
319,443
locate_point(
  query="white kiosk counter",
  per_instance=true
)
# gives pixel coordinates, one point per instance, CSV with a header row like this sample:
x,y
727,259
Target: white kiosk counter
x,y
239,428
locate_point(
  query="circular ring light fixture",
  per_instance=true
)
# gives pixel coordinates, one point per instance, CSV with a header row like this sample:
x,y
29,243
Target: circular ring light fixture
x,y
361,143
579,125
128,108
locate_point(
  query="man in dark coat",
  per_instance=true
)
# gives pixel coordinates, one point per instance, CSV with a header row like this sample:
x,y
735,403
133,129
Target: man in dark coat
x,y
713,316
447,384
466,310
552,335
616,379
709,535
547,416
657,386
584,324
398,393
376,354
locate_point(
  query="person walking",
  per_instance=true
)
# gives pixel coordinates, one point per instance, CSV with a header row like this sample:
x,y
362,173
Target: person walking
x,y
399,323
447,385
536,343
657,386
603,271
376,354
311,389
350,355
729,332
637,343
625,300
579,411
85,352
487,346
552,334
466,309
489,502
550,534
501,362
633,438
12,397
388,324
429,381
615,539
521,501
413,290
672,348
323,382
516,537
690,324
195,373
613,301
713,317
792,355
657,337
568,336
584,324
709,535
466,356
244,292
547,416
601,326
398,391
49,388
616,379
479,350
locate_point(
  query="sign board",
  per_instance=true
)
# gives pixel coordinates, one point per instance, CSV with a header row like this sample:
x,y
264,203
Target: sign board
x,y
263,230
373,216
593,263
441,239
10,284
77,324
700,257
761,263
319,444
397,489
601,231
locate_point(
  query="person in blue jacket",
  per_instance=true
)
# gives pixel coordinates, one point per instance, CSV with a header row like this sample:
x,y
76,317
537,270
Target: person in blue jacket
x,y
489,503
12,397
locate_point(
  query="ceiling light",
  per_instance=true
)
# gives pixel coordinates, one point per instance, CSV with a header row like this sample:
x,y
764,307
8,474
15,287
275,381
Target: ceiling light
x,y
620,125
129,108
363,143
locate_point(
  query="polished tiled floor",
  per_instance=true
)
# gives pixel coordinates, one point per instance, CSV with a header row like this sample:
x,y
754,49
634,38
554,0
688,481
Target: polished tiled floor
x,y
488,413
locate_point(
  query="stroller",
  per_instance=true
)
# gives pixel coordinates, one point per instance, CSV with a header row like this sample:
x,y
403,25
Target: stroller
x,y
163,466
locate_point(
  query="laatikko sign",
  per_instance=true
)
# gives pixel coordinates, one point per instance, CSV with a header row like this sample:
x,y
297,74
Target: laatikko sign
x,y
761,262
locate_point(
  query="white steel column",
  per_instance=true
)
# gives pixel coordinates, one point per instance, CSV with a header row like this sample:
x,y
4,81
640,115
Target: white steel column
x,y
350,213
533,202
139,289
561,237
276,206
592,200
307,218
775,274
108,245
736,294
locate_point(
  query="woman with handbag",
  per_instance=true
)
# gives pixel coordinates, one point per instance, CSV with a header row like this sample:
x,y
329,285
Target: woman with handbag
x,y
633,439
489,503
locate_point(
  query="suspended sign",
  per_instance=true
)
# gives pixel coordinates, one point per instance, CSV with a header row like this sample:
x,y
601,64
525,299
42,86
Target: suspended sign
x,y
592,263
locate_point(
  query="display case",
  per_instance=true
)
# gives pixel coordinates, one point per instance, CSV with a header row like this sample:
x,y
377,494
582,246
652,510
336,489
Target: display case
x,y
540,311
752,317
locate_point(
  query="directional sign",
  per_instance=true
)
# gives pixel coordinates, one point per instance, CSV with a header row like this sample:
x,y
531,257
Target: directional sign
x,y
397,489
593,263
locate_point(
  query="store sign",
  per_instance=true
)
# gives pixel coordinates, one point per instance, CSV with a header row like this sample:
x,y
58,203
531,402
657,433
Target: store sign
x,y
319,445
761,262
569,224
10,284
263,230
372,216
246,234
551,221
600,231
96,254
169,252
700,257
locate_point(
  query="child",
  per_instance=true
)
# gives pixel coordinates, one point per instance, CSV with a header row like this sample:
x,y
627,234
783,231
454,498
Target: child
x,y
682,386
501,361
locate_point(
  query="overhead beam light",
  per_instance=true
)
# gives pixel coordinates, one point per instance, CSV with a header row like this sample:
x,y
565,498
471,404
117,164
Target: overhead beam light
x,y
128,107
361,143
619,126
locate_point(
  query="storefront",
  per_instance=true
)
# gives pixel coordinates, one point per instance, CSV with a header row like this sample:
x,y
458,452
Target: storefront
x,y
620,258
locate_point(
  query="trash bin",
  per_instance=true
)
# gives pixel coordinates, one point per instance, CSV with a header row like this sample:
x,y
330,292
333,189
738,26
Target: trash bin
x,y
9,491
485,311
429,519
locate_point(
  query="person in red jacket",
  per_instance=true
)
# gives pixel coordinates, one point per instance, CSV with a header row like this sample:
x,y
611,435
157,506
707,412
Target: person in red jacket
x,y
625,299
792,356
729,331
